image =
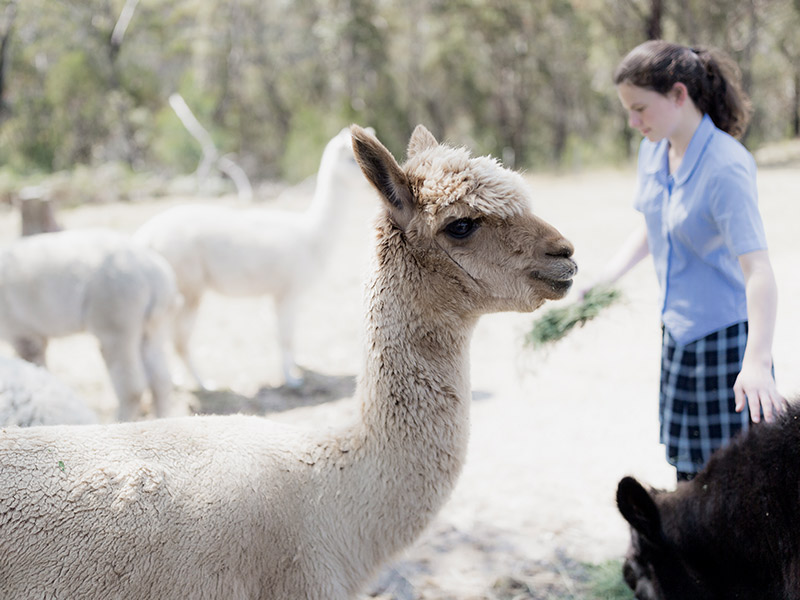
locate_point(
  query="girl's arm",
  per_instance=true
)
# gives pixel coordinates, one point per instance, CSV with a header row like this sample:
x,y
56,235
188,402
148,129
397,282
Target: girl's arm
x,y
631,253
755,383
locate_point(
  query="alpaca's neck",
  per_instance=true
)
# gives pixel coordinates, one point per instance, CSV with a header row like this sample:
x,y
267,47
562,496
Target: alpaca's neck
x,y
416,394
327,206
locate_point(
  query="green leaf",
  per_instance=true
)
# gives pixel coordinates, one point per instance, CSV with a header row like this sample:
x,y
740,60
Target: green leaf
x,y
555,323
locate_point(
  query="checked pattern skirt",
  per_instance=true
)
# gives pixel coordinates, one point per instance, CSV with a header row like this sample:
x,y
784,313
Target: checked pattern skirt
x,y
696,401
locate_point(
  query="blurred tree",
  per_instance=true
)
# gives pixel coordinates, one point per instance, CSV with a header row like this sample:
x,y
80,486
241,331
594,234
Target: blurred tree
x,y
87,81
786,21
9,13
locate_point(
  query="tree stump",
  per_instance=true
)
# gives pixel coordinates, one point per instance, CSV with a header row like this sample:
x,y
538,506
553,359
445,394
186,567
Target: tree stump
x,y
37,214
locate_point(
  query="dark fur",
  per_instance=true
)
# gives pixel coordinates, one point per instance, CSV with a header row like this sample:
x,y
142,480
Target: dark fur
x,y
731,533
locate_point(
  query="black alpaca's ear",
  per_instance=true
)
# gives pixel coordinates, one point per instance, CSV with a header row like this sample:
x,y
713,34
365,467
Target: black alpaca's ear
x,y
382,171
639,509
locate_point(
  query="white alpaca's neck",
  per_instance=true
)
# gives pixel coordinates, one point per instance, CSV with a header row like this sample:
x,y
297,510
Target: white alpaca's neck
x,y
327,205
415,416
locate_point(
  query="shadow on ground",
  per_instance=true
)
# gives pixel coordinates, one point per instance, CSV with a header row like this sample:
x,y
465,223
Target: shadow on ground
x,y
316,388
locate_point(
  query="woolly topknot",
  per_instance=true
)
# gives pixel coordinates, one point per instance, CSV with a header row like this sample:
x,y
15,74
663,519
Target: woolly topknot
x,y
443,177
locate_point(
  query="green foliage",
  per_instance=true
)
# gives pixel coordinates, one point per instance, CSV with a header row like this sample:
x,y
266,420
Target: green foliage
x,y
171,145
605,582
77,96
557,322
569,580
526,81
304,144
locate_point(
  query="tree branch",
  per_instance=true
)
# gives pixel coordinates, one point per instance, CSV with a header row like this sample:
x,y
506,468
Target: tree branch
x,y
122,26
210,154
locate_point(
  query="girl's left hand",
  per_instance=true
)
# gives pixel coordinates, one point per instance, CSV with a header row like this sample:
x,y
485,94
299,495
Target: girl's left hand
x,y
756,387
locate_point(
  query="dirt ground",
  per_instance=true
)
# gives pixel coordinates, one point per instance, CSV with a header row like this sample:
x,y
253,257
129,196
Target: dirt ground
x,y
552,433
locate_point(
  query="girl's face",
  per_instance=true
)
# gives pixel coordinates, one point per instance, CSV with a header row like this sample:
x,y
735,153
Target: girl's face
x,y
655,115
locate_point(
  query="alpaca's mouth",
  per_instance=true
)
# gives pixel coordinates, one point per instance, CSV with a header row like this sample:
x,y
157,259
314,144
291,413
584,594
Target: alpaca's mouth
x,y
559,282
560,286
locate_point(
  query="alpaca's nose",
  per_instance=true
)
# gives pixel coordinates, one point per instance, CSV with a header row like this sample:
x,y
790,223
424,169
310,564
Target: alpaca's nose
x,y
561,249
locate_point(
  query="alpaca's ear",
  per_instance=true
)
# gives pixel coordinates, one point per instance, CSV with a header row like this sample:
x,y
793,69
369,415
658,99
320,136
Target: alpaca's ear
x,y
639,509
421,139
383,172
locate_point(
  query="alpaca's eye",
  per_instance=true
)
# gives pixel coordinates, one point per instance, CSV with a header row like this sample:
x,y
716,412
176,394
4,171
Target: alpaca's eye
x,y
462,228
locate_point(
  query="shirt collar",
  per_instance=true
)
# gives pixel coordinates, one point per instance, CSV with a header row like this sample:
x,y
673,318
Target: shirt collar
x,y
697,146
658,160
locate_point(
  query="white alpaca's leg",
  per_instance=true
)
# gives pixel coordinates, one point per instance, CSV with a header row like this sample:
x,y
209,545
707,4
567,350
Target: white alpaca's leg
x,y
156,369
182,333
121,354
285,309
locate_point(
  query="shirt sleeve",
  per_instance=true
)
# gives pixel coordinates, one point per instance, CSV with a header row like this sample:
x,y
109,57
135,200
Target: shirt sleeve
x,y
734,207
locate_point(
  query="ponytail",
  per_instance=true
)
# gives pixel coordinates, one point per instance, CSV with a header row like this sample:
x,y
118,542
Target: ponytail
x,y
712,78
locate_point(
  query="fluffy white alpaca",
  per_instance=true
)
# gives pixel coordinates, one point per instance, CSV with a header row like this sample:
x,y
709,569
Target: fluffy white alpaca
x,y
96,281
254,252
30,395
235,507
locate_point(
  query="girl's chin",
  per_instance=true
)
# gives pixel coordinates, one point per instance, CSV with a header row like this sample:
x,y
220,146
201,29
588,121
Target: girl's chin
x,y
653,137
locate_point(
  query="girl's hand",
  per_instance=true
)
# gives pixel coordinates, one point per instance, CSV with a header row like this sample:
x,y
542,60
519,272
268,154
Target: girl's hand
x,y
756,387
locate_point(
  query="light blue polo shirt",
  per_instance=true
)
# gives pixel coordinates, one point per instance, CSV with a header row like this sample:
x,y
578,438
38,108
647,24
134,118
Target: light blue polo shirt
x,y
699,221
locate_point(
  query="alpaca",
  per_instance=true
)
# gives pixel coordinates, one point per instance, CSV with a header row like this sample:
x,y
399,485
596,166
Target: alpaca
x,y
96,281
30,395
731,532
241,507
254,252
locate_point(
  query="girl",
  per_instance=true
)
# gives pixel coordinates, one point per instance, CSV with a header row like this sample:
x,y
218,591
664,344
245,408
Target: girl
x,y
718,297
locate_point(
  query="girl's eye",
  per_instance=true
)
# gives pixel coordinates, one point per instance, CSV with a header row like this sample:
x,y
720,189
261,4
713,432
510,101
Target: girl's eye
x,y
461,228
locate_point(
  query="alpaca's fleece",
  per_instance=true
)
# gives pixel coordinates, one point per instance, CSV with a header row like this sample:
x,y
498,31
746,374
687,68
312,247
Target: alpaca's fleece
x,y
729,533
30,395
256,251
157,509
442,178
99,282
240,508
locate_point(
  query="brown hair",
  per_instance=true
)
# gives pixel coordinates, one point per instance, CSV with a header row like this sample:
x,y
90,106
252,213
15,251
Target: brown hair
x,y
711,76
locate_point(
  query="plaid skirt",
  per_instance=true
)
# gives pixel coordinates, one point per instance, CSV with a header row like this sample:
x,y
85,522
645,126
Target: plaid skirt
x,y
696,401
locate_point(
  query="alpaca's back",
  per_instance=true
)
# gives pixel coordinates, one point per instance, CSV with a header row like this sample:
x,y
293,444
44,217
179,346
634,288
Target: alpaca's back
x,y
61,283
232,251
44,280
238,252
95,281
199,507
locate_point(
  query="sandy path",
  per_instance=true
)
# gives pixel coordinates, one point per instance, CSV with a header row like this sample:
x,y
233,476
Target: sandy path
x,y
551,433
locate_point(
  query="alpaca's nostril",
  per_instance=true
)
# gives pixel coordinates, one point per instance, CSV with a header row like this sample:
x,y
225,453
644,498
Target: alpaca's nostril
x,y
562,250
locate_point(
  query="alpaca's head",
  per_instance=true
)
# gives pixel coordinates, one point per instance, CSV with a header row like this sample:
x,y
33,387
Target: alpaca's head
x,y
337,157
467,221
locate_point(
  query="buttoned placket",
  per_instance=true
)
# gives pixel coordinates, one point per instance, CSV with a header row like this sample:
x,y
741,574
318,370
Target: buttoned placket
x,y
665,221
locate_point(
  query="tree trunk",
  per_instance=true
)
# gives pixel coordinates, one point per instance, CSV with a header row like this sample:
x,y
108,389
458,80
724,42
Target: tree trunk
x,y
37,214
796,104
653,25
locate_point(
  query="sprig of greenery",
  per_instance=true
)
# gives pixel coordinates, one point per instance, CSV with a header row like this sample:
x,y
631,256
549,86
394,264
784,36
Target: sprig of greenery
x,y
555,323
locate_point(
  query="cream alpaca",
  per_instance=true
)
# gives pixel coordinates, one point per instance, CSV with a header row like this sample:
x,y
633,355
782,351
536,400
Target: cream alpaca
x,y
100,282
253,252
30,395
243,508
